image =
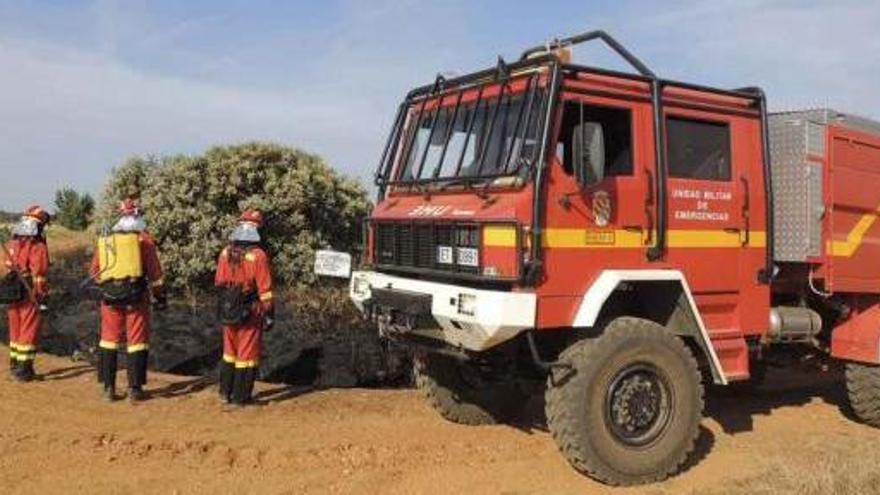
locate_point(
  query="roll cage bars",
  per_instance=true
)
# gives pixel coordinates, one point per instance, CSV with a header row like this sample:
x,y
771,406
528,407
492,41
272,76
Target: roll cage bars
x,y
543,56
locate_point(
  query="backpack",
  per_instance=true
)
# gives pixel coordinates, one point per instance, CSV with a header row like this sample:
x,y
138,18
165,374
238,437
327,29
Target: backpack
x,y
119,257
122,292
234,304
12,289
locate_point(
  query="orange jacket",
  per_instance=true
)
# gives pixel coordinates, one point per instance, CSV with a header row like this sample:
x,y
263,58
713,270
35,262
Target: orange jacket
x,y
252,272
30,256
150,259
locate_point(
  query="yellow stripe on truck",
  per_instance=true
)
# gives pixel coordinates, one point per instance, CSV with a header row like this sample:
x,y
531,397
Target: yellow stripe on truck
x,y
570,238
715,239
854,239
499,236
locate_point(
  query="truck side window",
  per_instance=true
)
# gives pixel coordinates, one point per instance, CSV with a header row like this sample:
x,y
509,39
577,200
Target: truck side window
x,y
617,127
698,149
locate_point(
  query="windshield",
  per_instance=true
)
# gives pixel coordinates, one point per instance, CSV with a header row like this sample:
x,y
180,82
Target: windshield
x,y
473,135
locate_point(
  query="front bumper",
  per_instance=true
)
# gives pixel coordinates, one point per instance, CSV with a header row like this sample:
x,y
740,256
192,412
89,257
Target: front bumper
x,y
472,319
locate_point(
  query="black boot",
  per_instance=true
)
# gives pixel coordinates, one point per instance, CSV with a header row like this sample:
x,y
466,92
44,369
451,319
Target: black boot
x,y
13,365
108,373
243,388
142,368
226,380
137,375
25,371
99,366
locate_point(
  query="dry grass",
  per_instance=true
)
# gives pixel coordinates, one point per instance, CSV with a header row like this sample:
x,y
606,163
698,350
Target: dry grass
x,y
838,472
64,242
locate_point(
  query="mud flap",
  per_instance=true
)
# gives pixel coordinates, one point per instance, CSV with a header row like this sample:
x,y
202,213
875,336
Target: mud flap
x,y
858,338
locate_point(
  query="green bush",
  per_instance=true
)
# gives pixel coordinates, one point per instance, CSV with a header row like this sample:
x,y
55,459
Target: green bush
x,y
193,202
126,181
73,210
8,217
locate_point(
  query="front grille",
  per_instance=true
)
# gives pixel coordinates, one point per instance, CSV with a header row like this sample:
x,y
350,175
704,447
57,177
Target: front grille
x,y
405,245
425,248
418,245
385,244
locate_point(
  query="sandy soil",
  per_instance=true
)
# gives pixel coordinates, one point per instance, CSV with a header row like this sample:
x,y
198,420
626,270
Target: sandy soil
x,y
57,436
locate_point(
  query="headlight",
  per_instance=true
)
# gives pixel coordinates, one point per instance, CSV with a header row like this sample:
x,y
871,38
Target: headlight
x,y
360,286
467,304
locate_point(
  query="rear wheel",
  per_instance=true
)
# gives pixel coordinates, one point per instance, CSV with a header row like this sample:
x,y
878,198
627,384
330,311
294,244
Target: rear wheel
x,y
863,386
463,393
626,407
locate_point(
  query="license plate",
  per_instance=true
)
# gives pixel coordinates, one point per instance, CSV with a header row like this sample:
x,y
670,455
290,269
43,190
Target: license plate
x,y
444,255
468,257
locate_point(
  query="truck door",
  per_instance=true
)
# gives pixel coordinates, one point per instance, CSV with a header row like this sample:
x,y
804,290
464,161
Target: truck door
x,y
717,233
604,225
614,212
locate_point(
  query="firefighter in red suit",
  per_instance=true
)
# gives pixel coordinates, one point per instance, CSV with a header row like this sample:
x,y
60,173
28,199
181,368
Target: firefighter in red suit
x,y
27,263
244,283
125,307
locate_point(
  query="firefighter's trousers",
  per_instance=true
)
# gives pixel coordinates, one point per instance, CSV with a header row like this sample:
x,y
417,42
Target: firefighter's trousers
x,y
24,330
241,359
134,322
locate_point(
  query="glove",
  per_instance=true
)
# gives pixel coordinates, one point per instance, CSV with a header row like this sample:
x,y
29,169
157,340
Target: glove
x,y
160,302
268,318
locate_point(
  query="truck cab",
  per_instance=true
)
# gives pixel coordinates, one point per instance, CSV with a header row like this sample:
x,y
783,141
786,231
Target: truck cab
x,y
607,233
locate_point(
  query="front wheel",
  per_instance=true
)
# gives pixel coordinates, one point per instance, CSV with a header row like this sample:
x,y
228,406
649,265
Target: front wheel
x,y
462,393
625,407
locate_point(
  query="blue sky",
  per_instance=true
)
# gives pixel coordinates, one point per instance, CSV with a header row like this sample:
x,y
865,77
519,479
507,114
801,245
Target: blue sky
x,y
86,84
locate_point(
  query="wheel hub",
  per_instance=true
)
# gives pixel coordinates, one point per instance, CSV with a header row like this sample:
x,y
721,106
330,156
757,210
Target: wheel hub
x,y
637,405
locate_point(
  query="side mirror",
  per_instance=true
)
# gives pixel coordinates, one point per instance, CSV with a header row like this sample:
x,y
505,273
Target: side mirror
x,y
588,148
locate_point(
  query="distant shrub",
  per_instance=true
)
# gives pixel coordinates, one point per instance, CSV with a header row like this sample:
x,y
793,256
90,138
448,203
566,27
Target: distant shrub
x,y
193,202
8,217
126,181
73,210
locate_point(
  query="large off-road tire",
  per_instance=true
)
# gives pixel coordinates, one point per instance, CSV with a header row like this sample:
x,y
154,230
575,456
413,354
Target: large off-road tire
x,y
863,386
464,394
626,408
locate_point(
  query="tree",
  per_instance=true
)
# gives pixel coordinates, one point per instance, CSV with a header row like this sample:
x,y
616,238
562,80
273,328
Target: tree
x,y
126,181
8,217
73,210
192,203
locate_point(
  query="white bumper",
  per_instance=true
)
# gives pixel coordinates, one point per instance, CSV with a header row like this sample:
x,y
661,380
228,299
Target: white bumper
x,y
496,316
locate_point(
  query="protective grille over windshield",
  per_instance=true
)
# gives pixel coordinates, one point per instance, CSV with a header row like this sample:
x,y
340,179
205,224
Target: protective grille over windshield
x,y
477,134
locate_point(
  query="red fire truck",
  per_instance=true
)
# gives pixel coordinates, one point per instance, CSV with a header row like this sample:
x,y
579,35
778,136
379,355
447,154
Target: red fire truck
x,y
620,239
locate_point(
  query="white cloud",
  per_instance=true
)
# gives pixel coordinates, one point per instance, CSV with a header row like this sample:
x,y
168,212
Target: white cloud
x,y
71,110
68,116
803,53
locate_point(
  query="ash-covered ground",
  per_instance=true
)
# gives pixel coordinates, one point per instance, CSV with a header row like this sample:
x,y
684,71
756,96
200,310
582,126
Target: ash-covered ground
x,y
318,339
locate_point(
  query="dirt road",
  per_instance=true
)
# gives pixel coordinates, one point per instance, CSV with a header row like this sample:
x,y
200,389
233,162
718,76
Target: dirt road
x,y
58,437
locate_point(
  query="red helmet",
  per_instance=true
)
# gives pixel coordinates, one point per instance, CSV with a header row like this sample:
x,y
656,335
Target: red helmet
x,y
252,216
129,207
37,213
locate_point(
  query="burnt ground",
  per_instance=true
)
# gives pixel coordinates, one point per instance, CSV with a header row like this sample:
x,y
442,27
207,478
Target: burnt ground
x,y
186,340
319,339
